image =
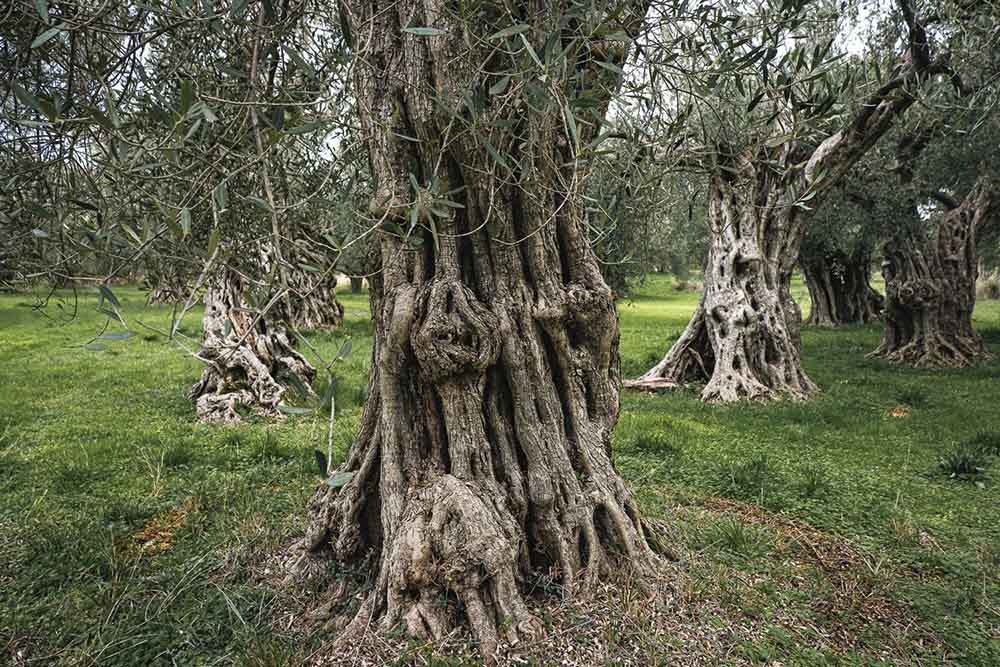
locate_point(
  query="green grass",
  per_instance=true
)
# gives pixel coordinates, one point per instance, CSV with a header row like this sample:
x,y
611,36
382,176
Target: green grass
x,y
130,535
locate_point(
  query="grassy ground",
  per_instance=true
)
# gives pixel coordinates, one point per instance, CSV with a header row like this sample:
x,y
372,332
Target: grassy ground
x,y
822,533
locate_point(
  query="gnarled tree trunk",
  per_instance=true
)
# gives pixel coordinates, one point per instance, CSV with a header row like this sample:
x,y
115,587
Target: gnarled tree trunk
x,y
839,287
483,460
931,289
251,361
743,339
312,303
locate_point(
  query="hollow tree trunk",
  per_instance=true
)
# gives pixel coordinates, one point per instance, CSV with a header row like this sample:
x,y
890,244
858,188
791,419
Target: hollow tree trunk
x,y
743,339
251,362
931,290
840,288
483,458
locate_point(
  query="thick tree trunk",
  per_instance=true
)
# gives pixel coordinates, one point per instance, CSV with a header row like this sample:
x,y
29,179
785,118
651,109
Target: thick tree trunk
x,y
251,361
840,288
743,339
931,290
483,460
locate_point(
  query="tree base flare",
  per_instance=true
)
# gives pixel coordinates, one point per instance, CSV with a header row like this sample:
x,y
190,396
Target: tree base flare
x,y
936,351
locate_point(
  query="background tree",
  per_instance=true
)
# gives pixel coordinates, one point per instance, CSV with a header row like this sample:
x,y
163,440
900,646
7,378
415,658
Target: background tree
x,y
199,130
766,174
931,262
838,252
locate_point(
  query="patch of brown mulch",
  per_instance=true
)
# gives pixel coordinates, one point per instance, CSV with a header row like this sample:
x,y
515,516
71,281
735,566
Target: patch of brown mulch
x,y
157,535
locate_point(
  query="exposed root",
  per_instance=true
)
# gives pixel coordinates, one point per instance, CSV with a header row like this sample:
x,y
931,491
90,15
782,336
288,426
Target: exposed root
x,y
936,352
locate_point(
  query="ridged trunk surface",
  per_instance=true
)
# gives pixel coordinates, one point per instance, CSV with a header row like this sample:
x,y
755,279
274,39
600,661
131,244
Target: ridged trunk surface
x,y
743,339
312,302
931,290
250,362
483,461
840,288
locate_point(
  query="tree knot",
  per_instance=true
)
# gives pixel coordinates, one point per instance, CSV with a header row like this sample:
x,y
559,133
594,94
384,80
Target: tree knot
x,y
457,334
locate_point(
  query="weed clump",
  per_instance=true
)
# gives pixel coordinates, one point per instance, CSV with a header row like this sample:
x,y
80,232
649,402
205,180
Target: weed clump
x,y
964,463
968,461
753,479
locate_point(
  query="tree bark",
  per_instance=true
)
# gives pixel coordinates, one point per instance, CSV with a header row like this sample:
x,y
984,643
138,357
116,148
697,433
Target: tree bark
x,y
743,339
312,304
251,361
931,289
483,459
840,288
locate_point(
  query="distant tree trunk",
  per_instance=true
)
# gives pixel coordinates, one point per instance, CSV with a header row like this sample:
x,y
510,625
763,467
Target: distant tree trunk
x,y
931,289
743,339
312,302
357,283
165,283
162,294
840,288
251,362
483,457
